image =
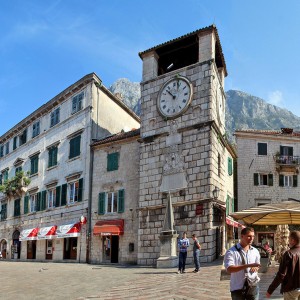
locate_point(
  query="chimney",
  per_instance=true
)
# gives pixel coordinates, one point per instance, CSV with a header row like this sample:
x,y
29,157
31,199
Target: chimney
x,y
286,130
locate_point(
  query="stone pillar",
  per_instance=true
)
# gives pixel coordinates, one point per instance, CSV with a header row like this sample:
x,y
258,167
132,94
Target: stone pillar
x,y
168,240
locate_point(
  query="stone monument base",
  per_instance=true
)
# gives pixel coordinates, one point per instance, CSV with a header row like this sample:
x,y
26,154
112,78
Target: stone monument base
x,y
167,262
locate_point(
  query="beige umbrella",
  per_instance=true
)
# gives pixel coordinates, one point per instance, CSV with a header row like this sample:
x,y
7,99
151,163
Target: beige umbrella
x,y
285,212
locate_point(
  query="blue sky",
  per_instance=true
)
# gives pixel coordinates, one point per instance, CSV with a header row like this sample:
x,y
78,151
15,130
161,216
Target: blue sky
x,y
45,46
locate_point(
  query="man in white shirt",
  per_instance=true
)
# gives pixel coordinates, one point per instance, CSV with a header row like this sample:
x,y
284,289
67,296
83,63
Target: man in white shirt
x,y
242,261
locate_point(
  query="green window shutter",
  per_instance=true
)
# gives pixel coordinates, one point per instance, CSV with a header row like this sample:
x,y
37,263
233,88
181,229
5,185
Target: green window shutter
x,y
112,161
281,180
75,146
290,151
227,205
38,201
64,194
255,176
281,150
26,201
295,180
232,204
43,201
57,197
270,179
101,204
121,202
80,190
229,166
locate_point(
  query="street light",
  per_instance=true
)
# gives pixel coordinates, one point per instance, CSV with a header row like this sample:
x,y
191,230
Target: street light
x,y
216,193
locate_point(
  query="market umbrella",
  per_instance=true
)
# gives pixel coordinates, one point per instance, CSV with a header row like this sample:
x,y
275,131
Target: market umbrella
x,y
285,212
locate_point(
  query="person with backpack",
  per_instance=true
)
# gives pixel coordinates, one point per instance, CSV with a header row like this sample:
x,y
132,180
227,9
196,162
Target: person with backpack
x,y
242,261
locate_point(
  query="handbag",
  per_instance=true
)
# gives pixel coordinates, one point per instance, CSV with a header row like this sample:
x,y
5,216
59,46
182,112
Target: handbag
x,y
250,283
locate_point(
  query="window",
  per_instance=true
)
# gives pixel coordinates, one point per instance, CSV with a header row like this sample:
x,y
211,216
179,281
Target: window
x,y
75,191
3,211
23,138
17,208
33,203
229,205
219,164
75,146
4,175
7,148
263,179
77,103
230,166
1,150
35,129
34,164
112,161
285,150
18,169
51,198
52,156
262,148
288,180
0,178
54,117
15,140
111,202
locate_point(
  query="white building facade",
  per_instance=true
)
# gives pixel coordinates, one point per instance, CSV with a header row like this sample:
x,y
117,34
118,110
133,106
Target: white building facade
x,y
48,221
268,170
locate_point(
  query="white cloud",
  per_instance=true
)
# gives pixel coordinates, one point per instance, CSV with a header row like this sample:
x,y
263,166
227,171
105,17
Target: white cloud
x,y
275,98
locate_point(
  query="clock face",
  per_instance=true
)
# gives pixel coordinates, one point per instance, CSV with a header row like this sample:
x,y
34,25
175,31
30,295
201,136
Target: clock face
x,y
174,97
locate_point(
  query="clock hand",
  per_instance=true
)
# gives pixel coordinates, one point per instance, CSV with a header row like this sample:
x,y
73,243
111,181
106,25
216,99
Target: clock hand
x,y
171,94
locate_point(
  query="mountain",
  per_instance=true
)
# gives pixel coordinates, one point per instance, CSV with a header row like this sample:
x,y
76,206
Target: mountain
x,y
129,92
243,111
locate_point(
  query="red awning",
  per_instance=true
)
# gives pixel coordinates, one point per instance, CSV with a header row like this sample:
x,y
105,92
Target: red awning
x,y
233,223
68,230
109,227
29,234
47,233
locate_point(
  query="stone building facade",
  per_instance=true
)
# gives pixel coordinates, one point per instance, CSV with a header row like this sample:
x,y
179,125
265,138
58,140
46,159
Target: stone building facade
x,y
268,170
115,199
183,152
48,221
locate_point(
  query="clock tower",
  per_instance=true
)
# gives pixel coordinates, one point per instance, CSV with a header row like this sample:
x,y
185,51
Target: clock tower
x,y
183,153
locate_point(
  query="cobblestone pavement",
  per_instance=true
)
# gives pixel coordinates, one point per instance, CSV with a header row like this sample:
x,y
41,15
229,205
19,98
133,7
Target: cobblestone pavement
x,y
28,281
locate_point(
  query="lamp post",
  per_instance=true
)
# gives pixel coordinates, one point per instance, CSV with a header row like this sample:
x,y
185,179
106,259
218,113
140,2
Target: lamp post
x,y
216,193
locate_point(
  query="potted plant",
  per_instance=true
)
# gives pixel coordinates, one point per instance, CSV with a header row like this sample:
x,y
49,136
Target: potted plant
x,y
16,185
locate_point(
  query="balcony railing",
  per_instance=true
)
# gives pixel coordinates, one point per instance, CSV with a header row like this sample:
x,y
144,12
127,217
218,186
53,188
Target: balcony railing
x,y
287,160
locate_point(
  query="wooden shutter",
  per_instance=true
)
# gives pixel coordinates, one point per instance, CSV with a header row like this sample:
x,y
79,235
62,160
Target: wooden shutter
x,y
281,150
281,180
80,190
232,204
57,197
255,176
270,179
101,204
290,151
64,194
295,180
121,202
38,201
227,205
26,201
43,200
113,161
229,166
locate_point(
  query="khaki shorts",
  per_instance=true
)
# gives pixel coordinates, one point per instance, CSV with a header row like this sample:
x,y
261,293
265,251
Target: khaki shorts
x,y
292,295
